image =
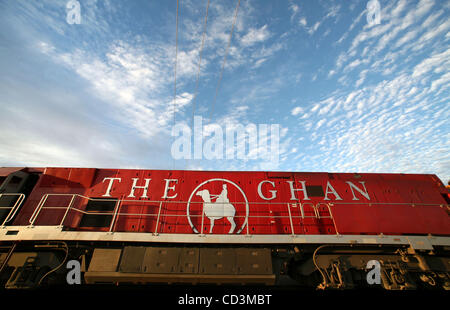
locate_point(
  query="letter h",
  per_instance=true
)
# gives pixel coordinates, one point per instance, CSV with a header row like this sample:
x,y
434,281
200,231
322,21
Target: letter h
x,y
145,187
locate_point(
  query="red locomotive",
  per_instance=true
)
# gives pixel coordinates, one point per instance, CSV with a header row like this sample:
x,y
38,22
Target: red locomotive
x,y
172,226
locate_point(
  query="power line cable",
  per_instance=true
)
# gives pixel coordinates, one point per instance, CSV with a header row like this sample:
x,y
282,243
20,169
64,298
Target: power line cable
x,y
175,79
198,70
225,58
199,64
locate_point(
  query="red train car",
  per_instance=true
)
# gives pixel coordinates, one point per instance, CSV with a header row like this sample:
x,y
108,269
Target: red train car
x,y
147,226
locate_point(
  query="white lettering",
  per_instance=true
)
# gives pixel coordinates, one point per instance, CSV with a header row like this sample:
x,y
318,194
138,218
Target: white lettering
x,y
145,187
246,299
111,181
274,193
167,188
353,186
332,191
190,300
293,190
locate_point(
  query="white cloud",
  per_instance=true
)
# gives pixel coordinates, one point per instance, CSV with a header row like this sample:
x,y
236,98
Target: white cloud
x,y
399,24
355,22
314,28
362,77
296,111
431,34
443,80
259,62
294,8
320,123
255,36
435,61
303,21
133,80
315,107
328,105
382,128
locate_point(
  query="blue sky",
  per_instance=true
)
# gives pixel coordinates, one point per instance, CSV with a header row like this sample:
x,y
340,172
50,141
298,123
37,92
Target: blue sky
x,y
348,96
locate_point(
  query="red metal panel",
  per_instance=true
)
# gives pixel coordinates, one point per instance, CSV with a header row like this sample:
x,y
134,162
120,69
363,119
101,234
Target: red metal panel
x,y
5,171
370,204
52,181
392,217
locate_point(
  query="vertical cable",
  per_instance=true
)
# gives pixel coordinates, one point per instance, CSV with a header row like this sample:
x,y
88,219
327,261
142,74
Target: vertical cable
x,y
198,71
225,58
199,64
175,80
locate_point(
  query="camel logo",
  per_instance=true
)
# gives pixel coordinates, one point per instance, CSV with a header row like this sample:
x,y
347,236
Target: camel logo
x,y
211,200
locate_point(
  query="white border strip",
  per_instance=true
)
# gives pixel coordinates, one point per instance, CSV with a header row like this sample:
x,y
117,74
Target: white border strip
x,y
43,233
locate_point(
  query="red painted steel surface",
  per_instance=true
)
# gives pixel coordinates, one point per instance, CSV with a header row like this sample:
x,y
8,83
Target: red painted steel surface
x,y
371,204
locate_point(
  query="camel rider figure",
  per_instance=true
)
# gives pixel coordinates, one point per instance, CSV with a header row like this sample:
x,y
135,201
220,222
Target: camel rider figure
x,y
223,196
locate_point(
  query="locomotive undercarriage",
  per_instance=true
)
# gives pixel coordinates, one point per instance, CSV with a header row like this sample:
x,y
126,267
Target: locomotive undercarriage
x,y
25,265
339,267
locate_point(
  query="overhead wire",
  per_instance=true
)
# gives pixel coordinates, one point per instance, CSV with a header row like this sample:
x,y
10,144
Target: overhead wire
x,y
199,64
199,69
225,58
175,76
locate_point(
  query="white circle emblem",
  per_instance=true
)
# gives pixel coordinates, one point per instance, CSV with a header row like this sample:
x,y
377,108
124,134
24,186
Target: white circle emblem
x,y
219,209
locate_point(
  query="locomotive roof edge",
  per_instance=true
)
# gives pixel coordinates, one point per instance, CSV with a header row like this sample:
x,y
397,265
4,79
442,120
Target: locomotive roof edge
x,y
7,170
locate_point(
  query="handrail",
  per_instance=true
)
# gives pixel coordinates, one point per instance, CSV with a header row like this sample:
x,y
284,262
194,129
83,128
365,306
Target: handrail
x,y
14,208
67,211
157,219
201,227
389,203
116,209
312,205
240,202
116,214
192,215
334,222
37,210
290,219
